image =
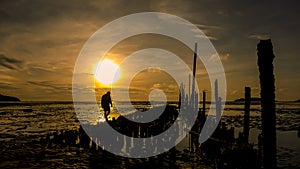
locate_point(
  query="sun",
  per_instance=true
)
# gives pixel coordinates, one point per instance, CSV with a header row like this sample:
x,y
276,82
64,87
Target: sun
x,y
107,72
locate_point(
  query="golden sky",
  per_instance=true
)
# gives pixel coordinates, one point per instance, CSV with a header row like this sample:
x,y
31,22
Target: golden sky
x,y
41,40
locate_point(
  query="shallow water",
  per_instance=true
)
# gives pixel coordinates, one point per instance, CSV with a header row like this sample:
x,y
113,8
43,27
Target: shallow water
x,y
20,128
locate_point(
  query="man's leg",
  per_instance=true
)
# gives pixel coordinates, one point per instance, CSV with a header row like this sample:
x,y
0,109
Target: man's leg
x,y
108,111
105,115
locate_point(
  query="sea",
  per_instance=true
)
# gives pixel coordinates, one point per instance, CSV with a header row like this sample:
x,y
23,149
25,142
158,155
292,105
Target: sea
x,y
23,124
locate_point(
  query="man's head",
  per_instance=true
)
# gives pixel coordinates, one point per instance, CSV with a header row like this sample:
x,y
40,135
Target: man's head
x,y
108,92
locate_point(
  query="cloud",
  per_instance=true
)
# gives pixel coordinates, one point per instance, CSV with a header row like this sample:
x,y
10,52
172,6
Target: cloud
x,y
153,70
9,63
7,86
209,37
222,57
283,89
259,36
47,40
49,84
203,26
156,85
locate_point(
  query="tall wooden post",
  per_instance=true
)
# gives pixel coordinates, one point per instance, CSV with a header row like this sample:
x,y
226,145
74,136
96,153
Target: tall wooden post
x,y
218,100
195,61
203,103
189,95
193,95
267,94
247,113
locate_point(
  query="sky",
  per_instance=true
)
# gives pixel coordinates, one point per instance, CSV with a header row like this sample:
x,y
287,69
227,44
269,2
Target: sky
x,y
40,42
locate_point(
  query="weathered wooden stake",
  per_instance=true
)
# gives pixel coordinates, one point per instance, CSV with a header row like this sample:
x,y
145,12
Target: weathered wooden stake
x,y
267,93
203,103
218,100
247,113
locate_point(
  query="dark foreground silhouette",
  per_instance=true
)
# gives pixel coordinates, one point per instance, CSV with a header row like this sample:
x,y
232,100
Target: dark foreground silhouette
x,y
222,150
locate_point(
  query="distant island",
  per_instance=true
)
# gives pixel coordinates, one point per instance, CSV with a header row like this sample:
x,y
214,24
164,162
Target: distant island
x,y
253,99
4,98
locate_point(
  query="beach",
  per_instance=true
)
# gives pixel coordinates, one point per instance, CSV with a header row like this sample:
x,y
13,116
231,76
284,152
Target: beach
x,y
24,132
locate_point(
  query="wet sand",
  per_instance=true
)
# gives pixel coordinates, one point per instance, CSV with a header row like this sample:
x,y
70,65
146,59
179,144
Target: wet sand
x,y
24,141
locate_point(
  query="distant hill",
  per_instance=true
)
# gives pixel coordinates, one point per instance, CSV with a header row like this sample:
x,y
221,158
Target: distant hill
x,y
4,98
253,99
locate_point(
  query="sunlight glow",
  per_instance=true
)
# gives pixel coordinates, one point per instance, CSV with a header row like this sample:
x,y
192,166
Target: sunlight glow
x,y
107,72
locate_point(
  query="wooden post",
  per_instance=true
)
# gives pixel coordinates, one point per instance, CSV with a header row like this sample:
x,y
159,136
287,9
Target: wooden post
x,y
189,87
218,100
247,113
195,62
203,103
267,94
193,92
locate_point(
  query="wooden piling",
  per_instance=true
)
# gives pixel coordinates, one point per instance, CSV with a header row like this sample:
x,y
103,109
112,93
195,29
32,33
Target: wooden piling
x,y
218,100
247,113
267,84
203,103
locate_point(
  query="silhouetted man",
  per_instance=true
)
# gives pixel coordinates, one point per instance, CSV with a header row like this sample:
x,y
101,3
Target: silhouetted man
x,y
105,102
